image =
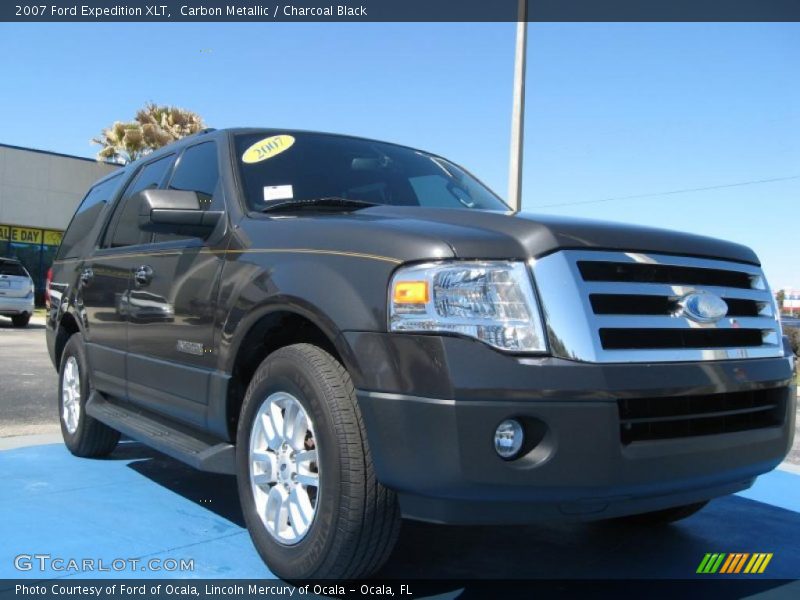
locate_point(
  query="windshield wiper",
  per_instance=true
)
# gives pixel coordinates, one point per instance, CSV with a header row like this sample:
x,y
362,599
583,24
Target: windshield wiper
x,y
332,202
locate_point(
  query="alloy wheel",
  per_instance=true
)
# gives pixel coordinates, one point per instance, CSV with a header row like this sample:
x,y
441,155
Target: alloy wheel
x,y
284,469
71,395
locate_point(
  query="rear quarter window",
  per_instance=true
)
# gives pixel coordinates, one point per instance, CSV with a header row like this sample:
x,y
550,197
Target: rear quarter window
x,y
77,237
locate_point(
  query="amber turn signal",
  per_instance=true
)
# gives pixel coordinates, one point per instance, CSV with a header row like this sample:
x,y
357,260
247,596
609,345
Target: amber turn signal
x,y
411,292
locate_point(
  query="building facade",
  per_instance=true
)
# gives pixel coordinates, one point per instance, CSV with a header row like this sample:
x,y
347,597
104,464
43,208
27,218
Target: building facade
x,y
39,192
791,301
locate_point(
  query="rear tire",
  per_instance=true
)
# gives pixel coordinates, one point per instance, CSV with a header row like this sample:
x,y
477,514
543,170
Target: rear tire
x,y
20,320
662,517
83,435
354,521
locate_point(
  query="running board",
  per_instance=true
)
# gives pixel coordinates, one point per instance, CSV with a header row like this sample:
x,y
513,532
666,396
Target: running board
x,y
216,457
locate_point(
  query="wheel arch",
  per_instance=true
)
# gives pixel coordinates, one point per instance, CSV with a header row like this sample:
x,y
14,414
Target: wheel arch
x,y
278,324
68,325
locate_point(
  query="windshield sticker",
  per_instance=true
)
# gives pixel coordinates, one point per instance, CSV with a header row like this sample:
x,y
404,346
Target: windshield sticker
x,y
278,192
267,148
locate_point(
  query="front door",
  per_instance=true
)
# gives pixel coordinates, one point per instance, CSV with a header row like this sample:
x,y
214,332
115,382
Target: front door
x,y
172,300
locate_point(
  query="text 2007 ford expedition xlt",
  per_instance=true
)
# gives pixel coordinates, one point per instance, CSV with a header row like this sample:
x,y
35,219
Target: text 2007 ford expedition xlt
x,y
359,330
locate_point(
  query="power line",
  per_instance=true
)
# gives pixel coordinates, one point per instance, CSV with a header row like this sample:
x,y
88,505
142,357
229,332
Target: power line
x,y
672,192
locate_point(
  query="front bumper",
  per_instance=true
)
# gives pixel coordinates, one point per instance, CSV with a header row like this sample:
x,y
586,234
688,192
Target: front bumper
x,y
431,405
16,306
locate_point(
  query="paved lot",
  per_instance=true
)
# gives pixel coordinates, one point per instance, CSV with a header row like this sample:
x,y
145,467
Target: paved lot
x,y
28,382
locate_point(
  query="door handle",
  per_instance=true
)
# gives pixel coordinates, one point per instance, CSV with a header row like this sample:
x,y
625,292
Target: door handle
x,y
143,275
87,275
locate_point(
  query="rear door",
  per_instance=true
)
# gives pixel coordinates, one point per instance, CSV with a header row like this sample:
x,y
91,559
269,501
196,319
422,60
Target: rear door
x,y
79,240
171,310
106,275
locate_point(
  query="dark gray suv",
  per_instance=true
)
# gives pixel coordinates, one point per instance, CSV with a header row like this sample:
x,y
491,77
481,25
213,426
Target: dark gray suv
x,y
361,331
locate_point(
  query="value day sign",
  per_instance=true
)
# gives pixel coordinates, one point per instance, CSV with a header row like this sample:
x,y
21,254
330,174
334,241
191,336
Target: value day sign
x,y
52,238
29,235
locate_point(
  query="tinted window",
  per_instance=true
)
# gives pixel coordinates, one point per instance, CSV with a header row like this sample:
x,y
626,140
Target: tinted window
x,y
304,166
88,213
125,223
197,171
12,268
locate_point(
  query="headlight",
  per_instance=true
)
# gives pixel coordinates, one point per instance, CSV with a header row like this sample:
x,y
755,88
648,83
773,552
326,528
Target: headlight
x,y
490,301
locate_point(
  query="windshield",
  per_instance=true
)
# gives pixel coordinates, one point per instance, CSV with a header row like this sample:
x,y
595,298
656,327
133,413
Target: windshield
x,y
307,166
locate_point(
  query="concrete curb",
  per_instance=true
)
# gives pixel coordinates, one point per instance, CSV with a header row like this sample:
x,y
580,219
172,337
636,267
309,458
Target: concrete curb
x,y
789,467
21,441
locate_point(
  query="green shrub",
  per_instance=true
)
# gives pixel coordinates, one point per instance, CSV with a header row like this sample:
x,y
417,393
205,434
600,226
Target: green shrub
x,y
794,338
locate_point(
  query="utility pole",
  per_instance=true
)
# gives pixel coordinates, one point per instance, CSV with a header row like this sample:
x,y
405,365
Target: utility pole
x,y
518,111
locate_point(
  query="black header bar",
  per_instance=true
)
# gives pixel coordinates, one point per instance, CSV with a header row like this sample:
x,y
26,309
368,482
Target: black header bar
x,y
398,10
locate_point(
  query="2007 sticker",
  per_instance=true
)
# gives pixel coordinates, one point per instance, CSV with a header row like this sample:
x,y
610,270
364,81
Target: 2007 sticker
x,y
267,148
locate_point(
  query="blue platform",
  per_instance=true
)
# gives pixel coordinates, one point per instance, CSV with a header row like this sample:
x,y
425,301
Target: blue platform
x,y
139,504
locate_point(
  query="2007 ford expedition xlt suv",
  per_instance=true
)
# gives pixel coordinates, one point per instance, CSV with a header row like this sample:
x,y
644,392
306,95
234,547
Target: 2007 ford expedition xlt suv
x,y
361,331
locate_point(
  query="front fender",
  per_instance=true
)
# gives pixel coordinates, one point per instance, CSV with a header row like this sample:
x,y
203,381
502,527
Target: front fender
x,y
335,292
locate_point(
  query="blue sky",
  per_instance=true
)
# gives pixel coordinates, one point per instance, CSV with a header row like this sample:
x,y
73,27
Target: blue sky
x,y
613,109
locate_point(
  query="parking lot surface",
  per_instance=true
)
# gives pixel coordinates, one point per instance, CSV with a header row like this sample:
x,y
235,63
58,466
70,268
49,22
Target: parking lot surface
x,y
28,381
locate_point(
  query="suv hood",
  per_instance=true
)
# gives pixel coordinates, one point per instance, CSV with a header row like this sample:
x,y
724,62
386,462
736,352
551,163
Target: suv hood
x,y
482,234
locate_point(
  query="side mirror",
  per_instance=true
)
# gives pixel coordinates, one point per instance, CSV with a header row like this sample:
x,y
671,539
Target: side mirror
x,y
170,210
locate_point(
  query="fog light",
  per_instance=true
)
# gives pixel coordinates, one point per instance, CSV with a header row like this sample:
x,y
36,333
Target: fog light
x,y
508,438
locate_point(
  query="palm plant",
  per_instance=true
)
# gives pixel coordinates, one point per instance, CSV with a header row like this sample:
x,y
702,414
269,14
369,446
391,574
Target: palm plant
x,y
122,143
154,126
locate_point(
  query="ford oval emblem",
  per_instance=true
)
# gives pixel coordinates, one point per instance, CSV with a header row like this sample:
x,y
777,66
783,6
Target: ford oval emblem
x,y
703,307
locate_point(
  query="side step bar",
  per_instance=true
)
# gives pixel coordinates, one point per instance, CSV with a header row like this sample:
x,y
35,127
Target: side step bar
x,y
217,457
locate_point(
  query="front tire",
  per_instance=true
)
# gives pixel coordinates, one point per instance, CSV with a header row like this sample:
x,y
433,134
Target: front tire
x,y
83,435
309,495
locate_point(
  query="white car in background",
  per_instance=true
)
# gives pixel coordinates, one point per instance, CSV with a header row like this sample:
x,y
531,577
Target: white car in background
x,y
16,292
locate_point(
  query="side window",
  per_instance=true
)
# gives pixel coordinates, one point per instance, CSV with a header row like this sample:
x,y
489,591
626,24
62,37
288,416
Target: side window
x,y
197,171
124,227
77,235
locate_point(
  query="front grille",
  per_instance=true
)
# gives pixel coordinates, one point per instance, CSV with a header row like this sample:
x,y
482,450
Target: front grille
x,y
643,339
632,307
654,273
643,419
638,304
